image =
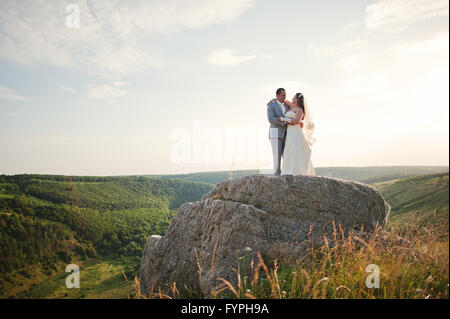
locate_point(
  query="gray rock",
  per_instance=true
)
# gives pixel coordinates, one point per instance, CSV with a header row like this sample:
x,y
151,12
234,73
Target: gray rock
x,y
209,238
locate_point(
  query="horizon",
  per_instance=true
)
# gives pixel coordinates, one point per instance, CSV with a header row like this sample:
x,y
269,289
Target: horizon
x,y
173,87
237,170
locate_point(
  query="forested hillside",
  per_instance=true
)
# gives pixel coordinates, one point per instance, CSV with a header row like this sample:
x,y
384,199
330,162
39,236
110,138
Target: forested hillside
x,y
209,177
369,174
48,220
419,199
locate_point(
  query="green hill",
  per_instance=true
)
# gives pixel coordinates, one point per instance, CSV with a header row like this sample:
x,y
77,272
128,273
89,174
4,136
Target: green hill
x,y
370,174
48,221
208,177
421,199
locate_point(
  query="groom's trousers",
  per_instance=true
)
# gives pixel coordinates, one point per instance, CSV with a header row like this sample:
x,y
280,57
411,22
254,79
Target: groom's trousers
x,y
277,152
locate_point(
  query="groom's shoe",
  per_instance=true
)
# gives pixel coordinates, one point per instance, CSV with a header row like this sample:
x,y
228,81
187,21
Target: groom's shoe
x,y
277,173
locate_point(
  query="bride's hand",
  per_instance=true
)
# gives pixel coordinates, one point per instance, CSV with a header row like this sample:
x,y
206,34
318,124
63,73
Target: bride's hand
x,y
271,101
288,103
302,124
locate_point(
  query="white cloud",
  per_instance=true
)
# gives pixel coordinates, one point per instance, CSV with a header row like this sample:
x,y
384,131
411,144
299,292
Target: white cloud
x,y
403,65
105,91
438,43
163,16
8,114
369,85
401,54
229,57
351,63
396,15
112,33
120,83
329,51
127,59
402,90
9,94
389,16
67,89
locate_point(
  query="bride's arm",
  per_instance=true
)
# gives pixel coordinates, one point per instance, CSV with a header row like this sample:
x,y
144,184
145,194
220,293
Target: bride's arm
x,y
298,117
286,119
288,103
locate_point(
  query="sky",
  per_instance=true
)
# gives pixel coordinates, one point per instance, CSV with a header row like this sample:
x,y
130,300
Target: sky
x,y
176,86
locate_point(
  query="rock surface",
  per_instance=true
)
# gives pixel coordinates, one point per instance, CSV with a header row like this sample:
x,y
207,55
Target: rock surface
x,y
260,212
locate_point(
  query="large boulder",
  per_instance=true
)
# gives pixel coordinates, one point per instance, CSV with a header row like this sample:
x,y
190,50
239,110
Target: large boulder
x,y
258,213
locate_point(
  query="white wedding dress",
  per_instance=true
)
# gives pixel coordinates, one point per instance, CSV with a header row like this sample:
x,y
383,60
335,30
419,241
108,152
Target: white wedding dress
x,y
297,152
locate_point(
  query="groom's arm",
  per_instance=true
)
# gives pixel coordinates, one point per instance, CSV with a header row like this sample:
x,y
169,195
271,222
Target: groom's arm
x,y
272,117
286,119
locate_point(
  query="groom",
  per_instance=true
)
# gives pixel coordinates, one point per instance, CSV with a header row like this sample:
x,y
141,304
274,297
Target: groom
x,y
276,109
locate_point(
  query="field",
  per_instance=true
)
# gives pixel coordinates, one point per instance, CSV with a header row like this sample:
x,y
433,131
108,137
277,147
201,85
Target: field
x,y
420,199
368,175
412,255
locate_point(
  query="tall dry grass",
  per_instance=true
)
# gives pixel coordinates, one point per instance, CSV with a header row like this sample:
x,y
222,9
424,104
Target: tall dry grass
x,y
413,262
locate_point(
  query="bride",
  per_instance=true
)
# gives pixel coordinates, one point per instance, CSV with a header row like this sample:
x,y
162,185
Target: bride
x,y
297,150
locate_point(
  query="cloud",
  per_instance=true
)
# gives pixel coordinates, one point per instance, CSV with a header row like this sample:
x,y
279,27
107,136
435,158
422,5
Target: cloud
x,y
169,15
105,91
385,15
396,15
406,83
338,49
9,94
389,16
404,63
229,57
351,63
438,43
113,35
67,89
7,114
127,59
369,85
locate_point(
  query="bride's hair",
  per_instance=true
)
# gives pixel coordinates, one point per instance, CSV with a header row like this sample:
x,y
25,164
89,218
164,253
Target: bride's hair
x,y
309,126
301,103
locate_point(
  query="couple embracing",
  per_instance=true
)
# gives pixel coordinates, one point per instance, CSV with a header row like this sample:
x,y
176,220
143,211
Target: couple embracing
x,y
290,134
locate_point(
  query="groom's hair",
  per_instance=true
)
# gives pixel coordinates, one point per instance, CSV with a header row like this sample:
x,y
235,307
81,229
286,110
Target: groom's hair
x,y
280,90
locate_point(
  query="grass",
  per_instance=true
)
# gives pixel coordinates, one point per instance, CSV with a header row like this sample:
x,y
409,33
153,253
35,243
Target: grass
x,y
6,196
412,264
8,190
98,279
412,255
421,196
